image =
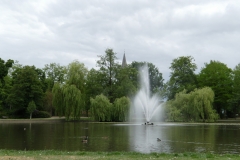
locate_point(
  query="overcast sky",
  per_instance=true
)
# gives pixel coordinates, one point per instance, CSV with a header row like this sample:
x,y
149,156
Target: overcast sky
x,y
38,32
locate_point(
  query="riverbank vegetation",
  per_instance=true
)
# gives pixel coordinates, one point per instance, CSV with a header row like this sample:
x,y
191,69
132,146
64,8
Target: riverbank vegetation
x,y
51,155
104,93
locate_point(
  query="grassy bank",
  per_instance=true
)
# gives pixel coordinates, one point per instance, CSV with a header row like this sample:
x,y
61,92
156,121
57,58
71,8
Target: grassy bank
x,y
56,155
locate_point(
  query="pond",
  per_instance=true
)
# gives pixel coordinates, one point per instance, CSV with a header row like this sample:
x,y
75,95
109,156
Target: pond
x,y
175,137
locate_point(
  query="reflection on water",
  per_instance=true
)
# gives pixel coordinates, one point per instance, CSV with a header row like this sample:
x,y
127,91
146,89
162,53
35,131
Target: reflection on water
x,y
68,136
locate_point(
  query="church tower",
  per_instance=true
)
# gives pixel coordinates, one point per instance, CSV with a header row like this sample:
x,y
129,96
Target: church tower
x,y
124,62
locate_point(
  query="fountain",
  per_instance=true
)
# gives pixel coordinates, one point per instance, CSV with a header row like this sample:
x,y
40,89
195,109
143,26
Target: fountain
x,y
145,107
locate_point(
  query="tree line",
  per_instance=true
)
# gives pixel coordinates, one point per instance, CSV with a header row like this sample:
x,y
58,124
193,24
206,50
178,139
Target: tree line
x,y
104,93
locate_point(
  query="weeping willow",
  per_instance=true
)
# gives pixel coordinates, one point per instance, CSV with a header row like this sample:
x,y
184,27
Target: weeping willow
x,y
68,98
121,109
68,101
58,99
73,102
76,74
194,106
202,100
172,111
100,108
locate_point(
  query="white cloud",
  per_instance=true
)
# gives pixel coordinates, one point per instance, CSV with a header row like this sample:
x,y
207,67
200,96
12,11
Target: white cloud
x,y
40,32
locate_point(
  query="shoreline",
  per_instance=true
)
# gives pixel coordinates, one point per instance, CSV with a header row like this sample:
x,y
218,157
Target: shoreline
x,y
232,121
33,120
53,154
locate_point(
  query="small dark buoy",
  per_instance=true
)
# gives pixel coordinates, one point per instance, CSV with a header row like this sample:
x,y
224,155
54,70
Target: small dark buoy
x,y
158,139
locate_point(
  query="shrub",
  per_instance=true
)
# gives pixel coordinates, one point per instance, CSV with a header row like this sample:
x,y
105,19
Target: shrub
x,y
41,114
100,108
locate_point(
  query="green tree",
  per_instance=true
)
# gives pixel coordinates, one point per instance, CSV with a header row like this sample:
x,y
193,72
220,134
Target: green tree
x,y
125,82
42,78
219,77
173,111
107,66
4,69
16,65
155,77
73,101
101,108
76,75
94,86
121,109
58,99
182,76
55,73
235,100
48,103
193,106
26,87
4,92
31,108
72,93
202,100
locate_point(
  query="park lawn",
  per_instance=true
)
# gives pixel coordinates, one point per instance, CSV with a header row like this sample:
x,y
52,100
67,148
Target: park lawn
x,y
63,155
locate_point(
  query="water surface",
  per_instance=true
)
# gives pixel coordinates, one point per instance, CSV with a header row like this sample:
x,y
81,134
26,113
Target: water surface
x,y
67,136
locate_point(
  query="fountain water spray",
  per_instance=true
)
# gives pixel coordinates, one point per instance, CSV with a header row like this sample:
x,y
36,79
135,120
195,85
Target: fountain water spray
x,y
144,106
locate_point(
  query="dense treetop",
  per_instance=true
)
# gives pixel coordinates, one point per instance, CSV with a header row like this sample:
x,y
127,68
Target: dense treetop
x,y
105,92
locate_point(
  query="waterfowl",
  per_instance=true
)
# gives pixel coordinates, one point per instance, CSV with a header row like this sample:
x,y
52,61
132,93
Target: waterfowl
x,y
158,139
85,140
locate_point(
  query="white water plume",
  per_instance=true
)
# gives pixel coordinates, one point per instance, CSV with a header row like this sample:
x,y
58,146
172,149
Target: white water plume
x,y
144,106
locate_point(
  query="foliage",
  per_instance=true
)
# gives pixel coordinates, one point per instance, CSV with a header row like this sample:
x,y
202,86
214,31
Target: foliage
x,y
202,100
94,86
219,77
26,87
68,101
31,108
41,114
100,108
182,76
4,92
4,69
107,66
155,77
193,106
54,73
58,99
235,100
69,98
20,85
120,109
76,75
125,84
4,86
42,79
48,102
73,102
173,112
16,65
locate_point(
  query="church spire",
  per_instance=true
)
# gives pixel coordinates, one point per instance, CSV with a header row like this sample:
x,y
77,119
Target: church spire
x,y
124,62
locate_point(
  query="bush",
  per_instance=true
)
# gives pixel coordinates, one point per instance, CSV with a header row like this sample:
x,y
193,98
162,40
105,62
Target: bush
x,y
193,106
100,108
41,114
120,109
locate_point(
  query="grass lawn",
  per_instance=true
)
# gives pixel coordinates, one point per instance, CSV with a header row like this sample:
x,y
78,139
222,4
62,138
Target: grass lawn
x,y
63,155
